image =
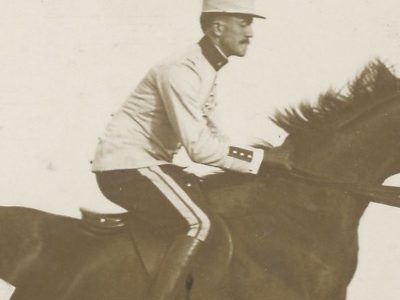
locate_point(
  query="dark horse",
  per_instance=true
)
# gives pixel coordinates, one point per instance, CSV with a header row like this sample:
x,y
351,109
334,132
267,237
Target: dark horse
x,y
289,239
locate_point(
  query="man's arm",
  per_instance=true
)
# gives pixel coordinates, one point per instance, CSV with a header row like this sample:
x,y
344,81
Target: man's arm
x,y
179,88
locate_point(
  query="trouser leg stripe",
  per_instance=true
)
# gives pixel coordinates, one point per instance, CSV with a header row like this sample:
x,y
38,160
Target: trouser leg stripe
x,y
187,212
197,220
203,225
172,196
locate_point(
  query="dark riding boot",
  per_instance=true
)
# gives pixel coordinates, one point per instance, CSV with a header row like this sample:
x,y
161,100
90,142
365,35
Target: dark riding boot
x,y
174,272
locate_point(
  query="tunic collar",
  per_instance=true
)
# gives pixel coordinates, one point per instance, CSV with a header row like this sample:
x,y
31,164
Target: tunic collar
x,y
211,52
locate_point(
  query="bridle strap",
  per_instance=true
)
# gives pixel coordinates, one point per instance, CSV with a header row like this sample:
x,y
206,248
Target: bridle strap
x,y
388,195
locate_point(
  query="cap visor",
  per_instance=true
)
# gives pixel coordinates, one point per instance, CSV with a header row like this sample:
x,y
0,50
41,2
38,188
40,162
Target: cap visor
x,y
234,13
258,16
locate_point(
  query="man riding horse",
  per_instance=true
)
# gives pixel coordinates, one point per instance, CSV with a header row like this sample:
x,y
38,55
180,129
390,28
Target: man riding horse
x,y
174,106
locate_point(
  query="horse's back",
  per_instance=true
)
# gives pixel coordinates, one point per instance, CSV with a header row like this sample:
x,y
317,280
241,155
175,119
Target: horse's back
x,y
20,239
49,256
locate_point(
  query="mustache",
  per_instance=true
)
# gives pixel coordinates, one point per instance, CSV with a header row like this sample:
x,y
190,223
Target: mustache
x,y
245,41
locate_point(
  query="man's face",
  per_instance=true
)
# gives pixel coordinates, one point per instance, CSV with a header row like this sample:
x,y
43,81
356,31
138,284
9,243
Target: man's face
x,y
236,32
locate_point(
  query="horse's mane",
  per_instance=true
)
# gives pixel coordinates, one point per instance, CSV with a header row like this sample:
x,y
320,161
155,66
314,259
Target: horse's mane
x,y
335,108
374,85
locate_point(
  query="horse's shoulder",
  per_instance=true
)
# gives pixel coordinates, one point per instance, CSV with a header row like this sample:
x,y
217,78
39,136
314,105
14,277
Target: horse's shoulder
x,y
231,194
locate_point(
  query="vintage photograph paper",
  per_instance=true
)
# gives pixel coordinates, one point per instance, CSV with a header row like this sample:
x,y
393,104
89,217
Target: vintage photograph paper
x,y
94,86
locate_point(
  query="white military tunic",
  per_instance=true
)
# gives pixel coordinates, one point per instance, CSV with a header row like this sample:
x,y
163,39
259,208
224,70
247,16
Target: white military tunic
x,y
173,106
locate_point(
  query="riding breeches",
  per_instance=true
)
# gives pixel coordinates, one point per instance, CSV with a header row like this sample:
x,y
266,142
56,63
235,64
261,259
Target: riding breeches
x,y
164,194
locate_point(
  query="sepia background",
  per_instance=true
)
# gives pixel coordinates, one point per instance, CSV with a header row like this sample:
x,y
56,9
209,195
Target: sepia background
x,y
66,65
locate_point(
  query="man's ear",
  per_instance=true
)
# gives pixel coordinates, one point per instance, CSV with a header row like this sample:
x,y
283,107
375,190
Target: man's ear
x,y
218,27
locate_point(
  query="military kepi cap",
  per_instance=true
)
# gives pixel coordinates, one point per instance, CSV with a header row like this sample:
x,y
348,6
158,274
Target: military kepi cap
x,y
246,7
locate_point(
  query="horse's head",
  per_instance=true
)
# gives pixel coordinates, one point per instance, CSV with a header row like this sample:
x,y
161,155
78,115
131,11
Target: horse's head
x,y
354,136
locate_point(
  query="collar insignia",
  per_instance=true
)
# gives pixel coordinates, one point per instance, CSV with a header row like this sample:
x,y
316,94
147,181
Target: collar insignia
x,y
212,54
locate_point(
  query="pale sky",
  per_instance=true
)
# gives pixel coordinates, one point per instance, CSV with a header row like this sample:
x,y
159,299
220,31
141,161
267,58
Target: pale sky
x,y
65,65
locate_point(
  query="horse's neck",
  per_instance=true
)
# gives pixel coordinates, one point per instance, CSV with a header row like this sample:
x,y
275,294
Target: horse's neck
x,y
366,154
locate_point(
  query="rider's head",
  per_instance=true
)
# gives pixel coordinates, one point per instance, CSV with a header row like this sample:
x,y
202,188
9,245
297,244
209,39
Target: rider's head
x,y
228,23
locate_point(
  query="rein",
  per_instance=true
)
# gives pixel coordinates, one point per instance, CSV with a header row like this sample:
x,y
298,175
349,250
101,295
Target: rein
x,y
387,195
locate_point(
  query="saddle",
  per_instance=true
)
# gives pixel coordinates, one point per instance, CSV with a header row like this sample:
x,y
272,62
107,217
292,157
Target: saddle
x,y
99,223
152,241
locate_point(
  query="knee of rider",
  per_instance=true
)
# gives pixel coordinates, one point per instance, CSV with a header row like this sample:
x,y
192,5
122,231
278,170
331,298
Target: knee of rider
x,y
201,229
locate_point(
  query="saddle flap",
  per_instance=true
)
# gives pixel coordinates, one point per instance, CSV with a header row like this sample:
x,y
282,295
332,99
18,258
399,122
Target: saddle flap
x,y
152,243
209,267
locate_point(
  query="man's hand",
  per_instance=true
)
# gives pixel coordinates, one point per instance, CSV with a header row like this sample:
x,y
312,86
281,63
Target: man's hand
x,y
277,158
259,143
